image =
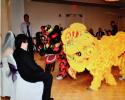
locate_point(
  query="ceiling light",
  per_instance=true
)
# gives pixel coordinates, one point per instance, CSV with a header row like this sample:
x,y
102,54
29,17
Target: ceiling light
x,y
112,0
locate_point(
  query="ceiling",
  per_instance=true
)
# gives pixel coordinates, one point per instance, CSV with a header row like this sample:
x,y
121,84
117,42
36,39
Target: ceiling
x,y
97,3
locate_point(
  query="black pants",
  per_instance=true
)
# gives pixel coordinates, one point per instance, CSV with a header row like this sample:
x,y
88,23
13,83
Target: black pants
x,y
30,46
50,67
47,80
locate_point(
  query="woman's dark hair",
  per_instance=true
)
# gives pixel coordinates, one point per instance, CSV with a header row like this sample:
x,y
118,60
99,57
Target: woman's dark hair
x,y
19,39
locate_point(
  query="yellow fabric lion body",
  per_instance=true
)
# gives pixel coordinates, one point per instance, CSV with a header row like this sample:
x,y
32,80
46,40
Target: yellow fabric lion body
x,y
98,56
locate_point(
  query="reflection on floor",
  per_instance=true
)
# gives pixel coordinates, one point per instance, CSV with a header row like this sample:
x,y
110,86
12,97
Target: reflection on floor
x,y
69,89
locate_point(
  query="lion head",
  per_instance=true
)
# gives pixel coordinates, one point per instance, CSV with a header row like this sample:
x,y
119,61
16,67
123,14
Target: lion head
x,y
78,46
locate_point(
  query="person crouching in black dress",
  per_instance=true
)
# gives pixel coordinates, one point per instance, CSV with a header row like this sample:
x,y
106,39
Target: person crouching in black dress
x,y
28,69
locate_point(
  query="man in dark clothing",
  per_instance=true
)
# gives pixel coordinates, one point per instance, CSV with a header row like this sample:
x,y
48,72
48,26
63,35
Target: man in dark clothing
x,y
100,33
114,27
26,28
27,67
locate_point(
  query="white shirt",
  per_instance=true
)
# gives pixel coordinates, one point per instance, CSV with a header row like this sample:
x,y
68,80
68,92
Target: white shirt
x,y
24,28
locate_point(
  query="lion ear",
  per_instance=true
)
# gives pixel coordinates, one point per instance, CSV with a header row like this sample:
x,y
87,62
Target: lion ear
x,y
78,26
72,32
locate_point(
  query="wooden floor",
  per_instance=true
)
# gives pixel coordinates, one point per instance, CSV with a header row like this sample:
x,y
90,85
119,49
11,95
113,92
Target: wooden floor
x,y
69,89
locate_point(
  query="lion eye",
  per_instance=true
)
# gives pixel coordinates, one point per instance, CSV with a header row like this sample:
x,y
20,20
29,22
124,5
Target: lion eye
x,y
78,53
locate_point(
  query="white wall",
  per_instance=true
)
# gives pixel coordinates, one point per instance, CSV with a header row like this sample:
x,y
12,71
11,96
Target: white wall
x,y
12,12
122,19
99,17
0,42
11,16
16,15
4,16
0,17
48,13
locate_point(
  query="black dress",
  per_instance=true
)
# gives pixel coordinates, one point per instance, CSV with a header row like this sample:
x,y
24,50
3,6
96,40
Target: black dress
x,y
31,72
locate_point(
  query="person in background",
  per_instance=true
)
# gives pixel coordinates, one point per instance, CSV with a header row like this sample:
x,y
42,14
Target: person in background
x,y
100,33
26,28
28,69
91,31
53,48
114,27
63,66
108,32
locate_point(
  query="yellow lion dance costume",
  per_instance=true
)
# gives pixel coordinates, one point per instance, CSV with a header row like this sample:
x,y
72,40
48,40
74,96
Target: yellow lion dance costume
x,y
98,56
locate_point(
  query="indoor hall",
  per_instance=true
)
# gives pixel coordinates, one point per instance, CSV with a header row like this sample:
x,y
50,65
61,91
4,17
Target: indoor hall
x,y
92,13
